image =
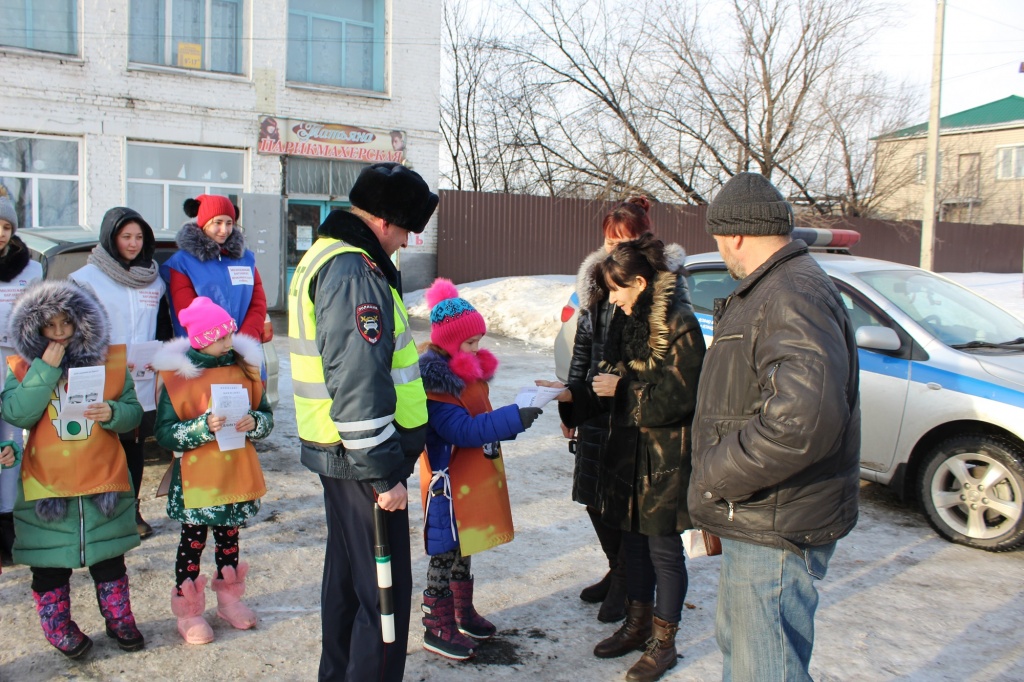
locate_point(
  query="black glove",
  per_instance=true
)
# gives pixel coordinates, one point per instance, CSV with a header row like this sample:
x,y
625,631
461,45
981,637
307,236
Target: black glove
x,y
528,415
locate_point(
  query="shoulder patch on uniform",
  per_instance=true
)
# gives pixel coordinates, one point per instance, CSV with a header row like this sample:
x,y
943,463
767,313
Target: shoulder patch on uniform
x,y
370,264
368,322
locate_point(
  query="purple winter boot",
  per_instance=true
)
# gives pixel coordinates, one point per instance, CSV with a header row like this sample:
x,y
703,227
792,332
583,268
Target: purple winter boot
x,y
440,635
54,609
470,622
116,607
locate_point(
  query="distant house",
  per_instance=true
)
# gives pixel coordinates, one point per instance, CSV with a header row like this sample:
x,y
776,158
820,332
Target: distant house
x,y
981,166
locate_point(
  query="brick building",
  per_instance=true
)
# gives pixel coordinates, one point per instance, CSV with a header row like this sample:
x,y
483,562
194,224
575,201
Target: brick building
x,y
277,104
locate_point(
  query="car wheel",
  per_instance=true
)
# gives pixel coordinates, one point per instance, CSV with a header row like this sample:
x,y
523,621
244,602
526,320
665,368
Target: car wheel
x,y
972,490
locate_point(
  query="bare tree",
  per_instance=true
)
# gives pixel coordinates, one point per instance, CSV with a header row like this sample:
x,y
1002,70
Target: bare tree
x,y
669,98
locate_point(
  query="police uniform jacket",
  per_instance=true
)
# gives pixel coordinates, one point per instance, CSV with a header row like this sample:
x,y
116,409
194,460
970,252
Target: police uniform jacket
x,y
355,335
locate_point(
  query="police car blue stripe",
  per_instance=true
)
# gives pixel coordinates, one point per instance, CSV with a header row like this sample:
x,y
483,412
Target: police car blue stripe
x,y
960,383
883,364
924,373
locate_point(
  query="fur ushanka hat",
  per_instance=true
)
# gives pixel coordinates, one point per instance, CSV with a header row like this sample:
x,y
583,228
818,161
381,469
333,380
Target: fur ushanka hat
x,y
393,192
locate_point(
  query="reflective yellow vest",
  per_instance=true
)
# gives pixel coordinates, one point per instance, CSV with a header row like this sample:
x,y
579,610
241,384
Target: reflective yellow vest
x,y
312,400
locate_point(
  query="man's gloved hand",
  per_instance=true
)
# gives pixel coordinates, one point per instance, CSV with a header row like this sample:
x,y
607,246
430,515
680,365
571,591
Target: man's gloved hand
x,y
528,415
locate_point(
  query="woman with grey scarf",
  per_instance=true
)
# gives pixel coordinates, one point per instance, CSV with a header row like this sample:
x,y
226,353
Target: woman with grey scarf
x,y
126,279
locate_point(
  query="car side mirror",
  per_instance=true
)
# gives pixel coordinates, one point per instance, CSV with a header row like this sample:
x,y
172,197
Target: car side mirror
x,y
878,338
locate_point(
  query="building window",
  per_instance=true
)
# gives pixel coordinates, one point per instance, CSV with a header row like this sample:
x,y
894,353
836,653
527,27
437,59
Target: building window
x,y
41,175
920,161
318,177
161,177
337,42
1009,163
44,25
191,34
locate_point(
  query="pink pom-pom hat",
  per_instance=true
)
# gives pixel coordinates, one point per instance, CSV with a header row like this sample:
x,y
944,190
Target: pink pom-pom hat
x,y
452,319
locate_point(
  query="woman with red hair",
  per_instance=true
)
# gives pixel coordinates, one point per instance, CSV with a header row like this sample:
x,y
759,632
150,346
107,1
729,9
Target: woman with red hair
x,y
625,222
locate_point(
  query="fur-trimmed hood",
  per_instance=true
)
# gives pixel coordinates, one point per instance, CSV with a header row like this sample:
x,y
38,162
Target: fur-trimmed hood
x,y
193,240
40,302
450,376
174,356
589,290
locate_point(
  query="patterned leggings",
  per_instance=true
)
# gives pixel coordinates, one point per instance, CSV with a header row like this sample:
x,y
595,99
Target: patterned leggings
x,y
190,549
443,569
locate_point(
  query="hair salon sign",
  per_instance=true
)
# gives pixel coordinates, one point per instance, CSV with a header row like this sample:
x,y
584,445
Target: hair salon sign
x,y
291,137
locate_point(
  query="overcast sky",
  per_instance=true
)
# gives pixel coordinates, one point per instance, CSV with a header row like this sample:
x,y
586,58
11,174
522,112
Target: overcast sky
x,y
984,47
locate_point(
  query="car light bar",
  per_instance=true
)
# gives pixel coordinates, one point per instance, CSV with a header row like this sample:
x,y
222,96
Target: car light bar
x,y
820,238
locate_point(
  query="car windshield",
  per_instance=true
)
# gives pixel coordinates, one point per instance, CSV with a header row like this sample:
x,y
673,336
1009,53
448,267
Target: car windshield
x,y
953,314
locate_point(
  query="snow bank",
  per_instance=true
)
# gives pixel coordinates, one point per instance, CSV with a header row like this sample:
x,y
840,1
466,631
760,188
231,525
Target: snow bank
x,y
524,308
530,308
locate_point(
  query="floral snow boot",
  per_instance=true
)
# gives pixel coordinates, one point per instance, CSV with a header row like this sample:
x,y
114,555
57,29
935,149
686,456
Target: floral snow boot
x,y
470,622
116,607
230,588
440,635
189,607
54,608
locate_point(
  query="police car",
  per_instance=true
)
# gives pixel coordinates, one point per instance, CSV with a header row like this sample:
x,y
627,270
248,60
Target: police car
x,y
942,386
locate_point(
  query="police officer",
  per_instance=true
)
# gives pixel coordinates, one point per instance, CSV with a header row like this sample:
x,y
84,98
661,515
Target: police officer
x,y
360,409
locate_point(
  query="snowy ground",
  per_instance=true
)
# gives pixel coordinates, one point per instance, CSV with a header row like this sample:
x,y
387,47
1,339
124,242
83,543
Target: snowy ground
x,y
898,604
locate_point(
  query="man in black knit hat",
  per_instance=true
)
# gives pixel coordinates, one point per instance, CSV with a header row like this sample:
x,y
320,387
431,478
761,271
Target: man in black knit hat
x,y
361,410
776,440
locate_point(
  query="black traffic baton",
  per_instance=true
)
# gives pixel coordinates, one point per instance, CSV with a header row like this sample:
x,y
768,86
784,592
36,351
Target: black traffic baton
x,y
382,554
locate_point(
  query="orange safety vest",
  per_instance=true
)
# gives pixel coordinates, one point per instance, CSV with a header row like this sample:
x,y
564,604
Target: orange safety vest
x,y
210,477
67,458
480,501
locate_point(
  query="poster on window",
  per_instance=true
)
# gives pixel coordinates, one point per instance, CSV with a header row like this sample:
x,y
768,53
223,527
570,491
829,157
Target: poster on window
x,y
292,137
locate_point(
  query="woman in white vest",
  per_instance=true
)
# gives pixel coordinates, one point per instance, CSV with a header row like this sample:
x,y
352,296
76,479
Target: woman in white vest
x,y
124,276
16,271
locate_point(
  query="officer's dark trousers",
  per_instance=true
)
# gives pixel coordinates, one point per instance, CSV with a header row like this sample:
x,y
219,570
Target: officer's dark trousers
x,y
349,610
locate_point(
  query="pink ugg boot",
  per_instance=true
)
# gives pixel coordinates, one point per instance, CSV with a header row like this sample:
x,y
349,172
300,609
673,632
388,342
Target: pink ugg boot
x,y
230,589
189,608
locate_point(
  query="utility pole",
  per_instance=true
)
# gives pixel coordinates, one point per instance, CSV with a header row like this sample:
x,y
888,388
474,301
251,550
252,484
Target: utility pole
x,y
931,166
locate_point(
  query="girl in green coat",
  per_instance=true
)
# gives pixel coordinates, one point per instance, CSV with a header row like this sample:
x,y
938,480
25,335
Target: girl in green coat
x,y
75,503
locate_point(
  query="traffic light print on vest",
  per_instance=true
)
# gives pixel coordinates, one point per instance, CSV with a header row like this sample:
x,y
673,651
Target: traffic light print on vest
x,y
368,322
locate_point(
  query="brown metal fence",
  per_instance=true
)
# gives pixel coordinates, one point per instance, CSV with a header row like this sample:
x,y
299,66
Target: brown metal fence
x,y
482,235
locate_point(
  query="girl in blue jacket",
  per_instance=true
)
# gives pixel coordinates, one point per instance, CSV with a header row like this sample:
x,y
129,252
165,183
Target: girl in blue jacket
x,y
462,474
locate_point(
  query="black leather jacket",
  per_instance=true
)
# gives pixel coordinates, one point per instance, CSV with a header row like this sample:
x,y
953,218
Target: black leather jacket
x,y
776,444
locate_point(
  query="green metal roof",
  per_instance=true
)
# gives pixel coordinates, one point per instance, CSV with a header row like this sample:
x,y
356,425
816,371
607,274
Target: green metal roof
x,y
996,113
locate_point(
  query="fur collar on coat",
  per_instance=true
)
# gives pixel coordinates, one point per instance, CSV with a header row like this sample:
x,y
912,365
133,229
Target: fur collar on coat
x,y
191,239
173,356
641,340
450,376
589,290
14,259
40,302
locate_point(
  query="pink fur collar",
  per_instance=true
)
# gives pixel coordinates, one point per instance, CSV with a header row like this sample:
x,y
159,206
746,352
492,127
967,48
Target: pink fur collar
x,y
470,367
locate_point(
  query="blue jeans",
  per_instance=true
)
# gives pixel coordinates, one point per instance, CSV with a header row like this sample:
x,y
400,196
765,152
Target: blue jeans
x,y
766,603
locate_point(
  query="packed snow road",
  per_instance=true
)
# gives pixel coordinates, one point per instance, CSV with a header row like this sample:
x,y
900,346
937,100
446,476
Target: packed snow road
x,y
898,602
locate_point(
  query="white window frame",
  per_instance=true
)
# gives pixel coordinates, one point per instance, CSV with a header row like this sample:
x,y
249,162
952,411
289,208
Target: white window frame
x,y
207,187
384,57
76,34
920,167
167,49
1015,151
34,218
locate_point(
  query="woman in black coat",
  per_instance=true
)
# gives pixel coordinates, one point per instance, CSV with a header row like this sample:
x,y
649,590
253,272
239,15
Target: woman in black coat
x,y
647,383
626,221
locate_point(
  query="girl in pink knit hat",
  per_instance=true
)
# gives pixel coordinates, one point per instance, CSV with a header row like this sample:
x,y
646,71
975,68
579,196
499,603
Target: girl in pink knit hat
x,y
462,473
213,485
